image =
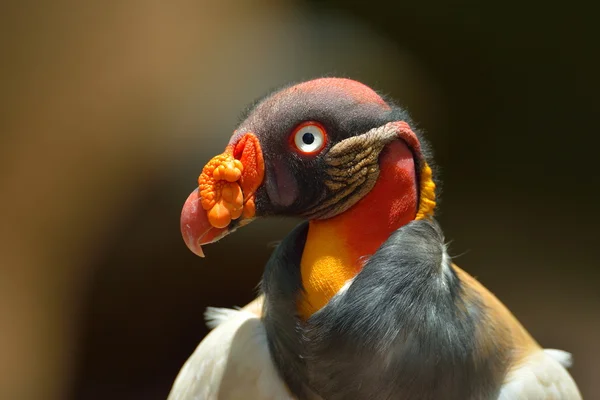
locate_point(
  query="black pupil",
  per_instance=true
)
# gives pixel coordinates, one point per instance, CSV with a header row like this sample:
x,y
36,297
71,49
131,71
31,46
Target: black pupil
x,y
308,138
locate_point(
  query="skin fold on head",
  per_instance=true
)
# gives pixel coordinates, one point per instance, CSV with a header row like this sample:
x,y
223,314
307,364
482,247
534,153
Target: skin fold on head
x,y
331,151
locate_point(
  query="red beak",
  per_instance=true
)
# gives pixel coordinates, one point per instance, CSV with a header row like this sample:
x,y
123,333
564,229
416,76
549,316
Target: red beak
x,y
195,228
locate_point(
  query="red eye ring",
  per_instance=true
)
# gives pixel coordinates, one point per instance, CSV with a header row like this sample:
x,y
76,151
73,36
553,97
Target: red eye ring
x,y
308,138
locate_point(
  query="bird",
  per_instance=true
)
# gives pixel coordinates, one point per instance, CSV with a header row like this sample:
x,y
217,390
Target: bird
x,y
361,300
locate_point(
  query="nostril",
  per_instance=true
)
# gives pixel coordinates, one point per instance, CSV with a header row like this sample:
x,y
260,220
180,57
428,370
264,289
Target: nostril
x,y
282,187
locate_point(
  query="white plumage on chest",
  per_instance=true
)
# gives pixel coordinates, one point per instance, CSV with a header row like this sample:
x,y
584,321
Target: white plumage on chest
x,y
541,376
232,362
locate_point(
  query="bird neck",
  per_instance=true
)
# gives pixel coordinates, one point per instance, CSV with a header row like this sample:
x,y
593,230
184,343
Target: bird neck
x,y
337,248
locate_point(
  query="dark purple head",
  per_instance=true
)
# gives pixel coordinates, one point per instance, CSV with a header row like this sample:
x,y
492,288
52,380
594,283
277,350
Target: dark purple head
x,y
320,142
295,180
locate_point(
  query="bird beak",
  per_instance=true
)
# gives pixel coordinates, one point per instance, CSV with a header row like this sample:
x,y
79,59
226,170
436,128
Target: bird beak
x,y
225,193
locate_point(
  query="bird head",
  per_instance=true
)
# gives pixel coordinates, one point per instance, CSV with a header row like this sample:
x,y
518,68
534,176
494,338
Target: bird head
x,y
314,150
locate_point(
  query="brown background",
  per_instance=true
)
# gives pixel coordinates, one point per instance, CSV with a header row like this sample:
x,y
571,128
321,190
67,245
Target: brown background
x,y
110,109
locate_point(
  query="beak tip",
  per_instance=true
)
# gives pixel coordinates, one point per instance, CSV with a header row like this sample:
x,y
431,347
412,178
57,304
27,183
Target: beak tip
x,y
199,252
196,230
191,224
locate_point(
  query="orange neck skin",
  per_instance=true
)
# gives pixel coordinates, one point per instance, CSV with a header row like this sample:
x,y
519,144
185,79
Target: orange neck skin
x,y
336,248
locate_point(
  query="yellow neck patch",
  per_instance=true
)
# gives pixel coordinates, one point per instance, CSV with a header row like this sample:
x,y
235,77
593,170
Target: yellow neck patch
x,y
325,267
335,248
427,194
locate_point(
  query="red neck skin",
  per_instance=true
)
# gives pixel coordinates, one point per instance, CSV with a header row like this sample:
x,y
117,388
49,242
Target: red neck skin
x,y
336,248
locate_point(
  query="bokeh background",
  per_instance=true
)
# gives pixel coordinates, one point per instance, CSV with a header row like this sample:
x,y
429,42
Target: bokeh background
x,y
109,110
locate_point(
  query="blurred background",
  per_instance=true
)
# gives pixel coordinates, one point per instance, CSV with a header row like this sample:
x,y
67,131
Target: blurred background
x,y
110,109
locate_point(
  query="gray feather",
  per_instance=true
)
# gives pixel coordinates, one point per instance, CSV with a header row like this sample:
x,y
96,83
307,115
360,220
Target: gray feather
x,y
405,327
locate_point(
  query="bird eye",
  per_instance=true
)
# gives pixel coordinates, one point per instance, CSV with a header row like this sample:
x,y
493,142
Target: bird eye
x,y
309,137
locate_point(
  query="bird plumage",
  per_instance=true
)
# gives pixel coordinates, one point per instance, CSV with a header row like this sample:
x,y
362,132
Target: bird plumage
x,y
363,301
539,377
232,362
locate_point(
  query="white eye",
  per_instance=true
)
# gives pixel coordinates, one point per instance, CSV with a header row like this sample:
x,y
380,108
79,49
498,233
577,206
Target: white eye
x,y
309,137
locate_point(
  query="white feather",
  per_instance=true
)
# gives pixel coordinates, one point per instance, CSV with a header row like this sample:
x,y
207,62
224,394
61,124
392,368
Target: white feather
x,y
564,358
344,288
232,362
215,316
540,377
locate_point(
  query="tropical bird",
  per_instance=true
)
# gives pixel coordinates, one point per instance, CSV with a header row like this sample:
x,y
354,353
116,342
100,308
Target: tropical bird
x,y
361,300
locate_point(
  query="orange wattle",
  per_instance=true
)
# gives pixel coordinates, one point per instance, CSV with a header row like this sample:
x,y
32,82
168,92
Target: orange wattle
x,y
228,182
